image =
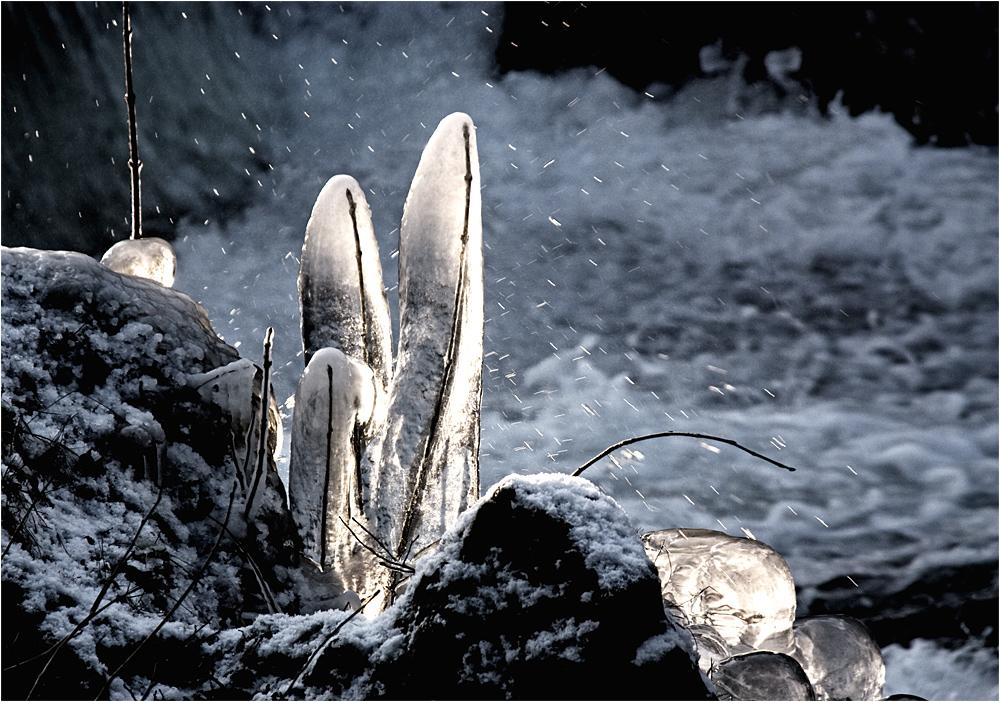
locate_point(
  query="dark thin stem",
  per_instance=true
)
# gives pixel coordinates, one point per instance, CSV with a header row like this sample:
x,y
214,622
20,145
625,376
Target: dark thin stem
x,y
265,406
660,434
327,473
352,209
134,164
327,640
194,581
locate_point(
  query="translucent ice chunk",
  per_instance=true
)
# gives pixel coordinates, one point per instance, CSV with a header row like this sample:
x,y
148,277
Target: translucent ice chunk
x,y
150,258
762,675
739,587
840,656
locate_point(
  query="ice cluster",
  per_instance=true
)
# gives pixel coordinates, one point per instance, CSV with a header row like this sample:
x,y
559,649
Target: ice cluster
x,y
737,598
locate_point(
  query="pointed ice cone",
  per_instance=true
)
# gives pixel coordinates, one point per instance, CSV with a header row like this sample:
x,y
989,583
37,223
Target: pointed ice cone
x,y
425,465
334,398
840,656
341,297
740,587
151,258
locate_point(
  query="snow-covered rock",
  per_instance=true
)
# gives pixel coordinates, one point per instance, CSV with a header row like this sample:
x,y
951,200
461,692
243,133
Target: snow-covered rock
x,y
541,590
130,568
124,515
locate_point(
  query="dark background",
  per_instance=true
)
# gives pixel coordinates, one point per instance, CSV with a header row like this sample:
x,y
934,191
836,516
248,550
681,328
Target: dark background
x,y
65,179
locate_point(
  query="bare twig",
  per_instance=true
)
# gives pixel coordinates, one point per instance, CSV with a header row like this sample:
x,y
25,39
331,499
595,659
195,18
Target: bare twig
x,y
134,164
194,581
265,405
657,435
387,561
327,640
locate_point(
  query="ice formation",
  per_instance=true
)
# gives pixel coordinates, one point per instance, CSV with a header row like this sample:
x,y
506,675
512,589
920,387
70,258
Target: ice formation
x,y
333,402
341,297
840,656
150,257
420,469
762,675
737,598
425,467
739,587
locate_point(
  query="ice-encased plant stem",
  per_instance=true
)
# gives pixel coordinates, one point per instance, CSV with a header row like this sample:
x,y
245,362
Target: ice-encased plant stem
x,y
425,466
421,467
151,258
341,297
334,398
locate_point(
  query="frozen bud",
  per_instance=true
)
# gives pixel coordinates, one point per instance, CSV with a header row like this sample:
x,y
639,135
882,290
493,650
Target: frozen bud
x,y
150,258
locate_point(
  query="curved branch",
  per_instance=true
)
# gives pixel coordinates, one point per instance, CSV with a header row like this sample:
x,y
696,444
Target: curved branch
x,y
657,435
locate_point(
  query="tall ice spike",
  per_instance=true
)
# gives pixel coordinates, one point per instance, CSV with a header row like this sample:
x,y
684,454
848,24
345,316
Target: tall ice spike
x,y
425,466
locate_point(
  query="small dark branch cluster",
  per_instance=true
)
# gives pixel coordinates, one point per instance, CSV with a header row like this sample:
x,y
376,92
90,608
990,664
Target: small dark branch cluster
x,y
170,613
385,558
657,435
97,607
265,405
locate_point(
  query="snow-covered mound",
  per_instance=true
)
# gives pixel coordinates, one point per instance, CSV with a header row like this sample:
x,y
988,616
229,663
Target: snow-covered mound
x,y
126,536
540,591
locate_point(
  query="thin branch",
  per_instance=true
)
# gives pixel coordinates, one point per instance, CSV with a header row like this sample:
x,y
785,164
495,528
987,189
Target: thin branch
x,y
657,435
134,164
194,581
327,640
